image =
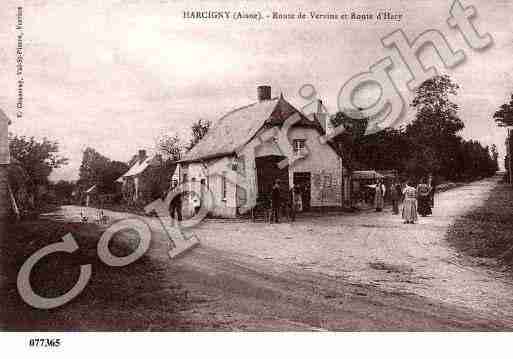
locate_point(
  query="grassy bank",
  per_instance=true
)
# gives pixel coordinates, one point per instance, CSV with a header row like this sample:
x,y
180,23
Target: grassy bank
x,y
487,231
139,296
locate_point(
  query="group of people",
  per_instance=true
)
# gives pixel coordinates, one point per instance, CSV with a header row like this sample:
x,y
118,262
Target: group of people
x,y
294,203
416,200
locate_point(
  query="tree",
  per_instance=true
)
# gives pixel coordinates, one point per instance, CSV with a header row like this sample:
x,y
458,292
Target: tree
x,y
436,125
37,158
386,149
504,115
99,170
495,157
64,190
20,184
436,113
198,130
171,147
92,168
110,175
347,141
476,160
353,121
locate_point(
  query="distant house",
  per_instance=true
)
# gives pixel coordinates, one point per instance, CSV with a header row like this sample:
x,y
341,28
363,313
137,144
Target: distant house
x,y
320,174
147,178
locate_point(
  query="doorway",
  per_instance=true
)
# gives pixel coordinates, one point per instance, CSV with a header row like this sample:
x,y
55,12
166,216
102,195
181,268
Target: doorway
x,y
268,172
303,180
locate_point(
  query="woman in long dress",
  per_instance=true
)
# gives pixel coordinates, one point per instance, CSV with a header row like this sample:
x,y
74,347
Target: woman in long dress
x,y
423,199
410,204
379,195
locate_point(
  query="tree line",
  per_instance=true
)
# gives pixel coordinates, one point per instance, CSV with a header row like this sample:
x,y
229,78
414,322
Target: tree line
x,y
503,117
430,144
33,160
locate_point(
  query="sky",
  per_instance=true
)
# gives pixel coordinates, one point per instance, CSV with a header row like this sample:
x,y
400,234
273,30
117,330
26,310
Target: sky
x,y
116,75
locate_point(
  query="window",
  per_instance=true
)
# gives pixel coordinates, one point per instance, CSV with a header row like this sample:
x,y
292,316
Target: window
x,y
223,186
327,181
298,145
241,164
202,186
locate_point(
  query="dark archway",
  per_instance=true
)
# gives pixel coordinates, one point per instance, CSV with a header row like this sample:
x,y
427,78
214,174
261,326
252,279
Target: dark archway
x,y
268,172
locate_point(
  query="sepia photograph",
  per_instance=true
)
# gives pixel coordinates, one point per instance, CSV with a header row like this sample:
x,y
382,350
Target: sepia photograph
x,y
255,166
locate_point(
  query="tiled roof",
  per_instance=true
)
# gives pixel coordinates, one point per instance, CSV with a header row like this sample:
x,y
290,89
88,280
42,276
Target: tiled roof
x,y
138,167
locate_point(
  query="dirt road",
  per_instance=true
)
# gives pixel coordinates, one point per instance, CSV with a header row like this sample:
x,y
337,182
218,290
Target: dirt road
x,y
365,271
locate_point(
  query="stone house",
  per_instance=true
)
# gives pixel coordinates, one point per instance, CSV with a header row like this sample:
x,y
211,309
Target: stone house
x,y
250,141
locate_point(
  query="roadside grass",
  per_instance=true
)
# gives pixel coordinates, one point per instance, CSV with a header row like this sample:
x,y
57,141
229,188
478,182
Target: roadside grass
x,y
487,231
140,296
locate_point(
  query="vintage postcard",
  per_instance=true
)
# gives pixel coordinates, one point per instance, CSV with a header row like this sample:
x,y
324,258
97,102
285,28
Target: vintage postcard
x,y
268,166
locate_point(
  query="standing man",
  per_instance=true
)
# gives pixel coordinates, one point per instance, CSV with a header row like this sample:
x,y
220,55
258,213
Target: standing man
x,y
296,202
176,203
432,185
395,196
275,202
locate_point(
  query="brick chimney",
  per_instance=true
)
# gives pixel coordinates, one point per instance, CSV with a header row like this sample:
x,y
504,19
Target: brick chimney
x,y
264,93
324,117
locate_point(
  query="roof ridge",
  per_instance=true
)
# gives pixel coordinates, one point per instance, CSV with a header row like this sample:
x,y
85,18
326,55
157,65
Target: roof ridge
x,y
243,107
210,132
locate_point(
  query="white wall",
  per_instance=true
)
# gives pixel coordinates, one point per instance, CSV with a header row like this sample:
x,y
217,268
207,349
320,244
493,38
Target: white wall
x,y
322,162
324,165
268,149
223,207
